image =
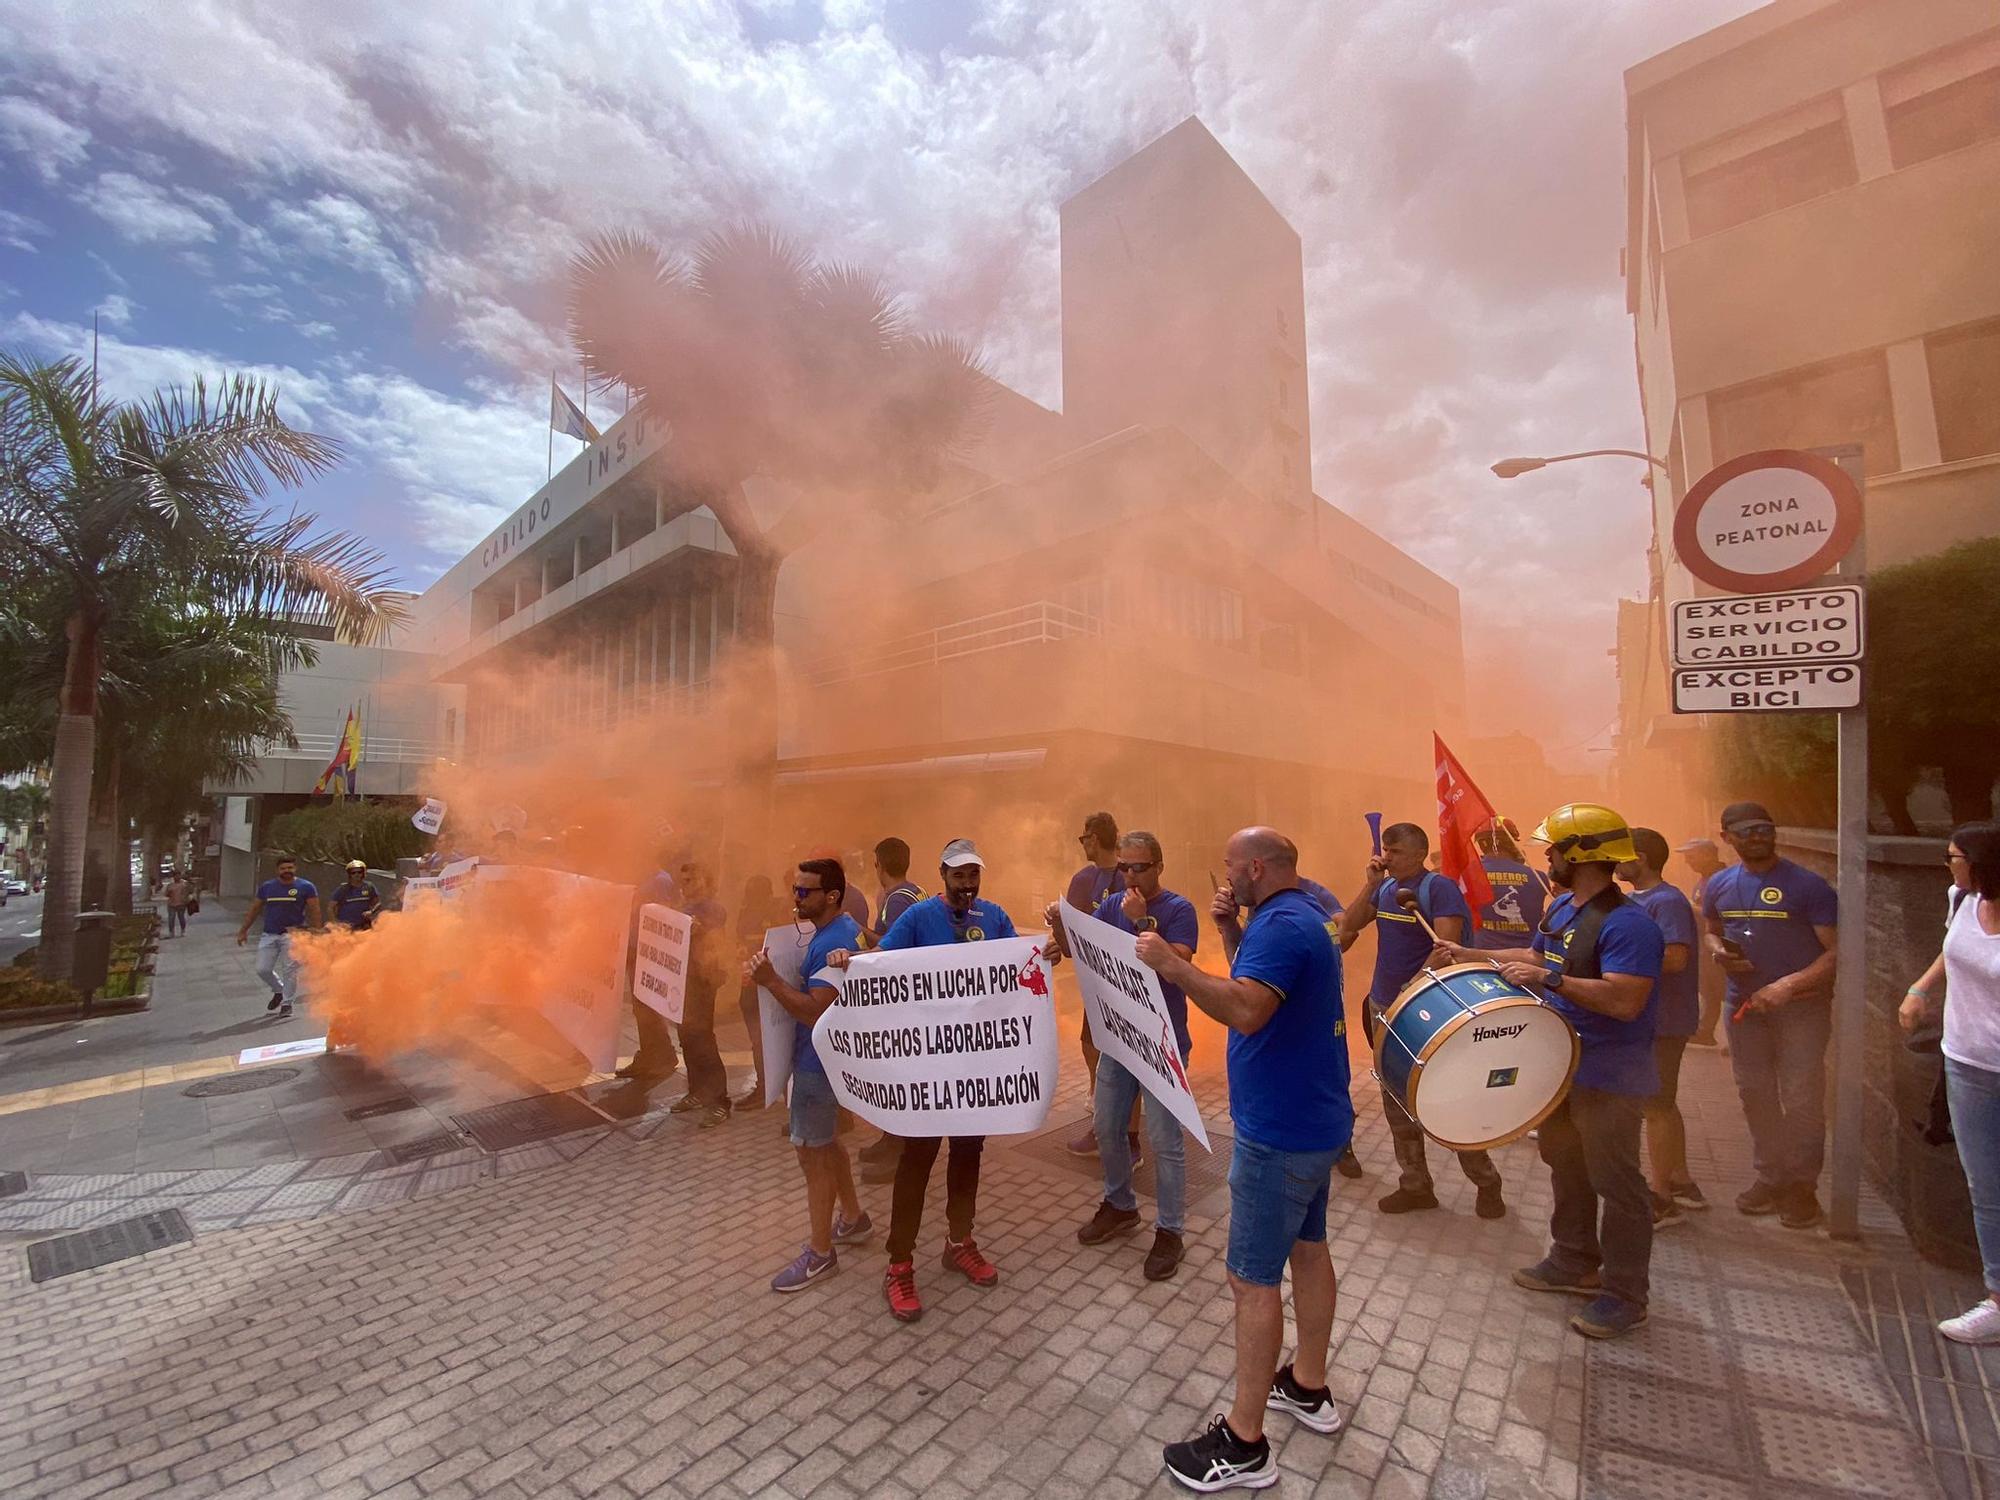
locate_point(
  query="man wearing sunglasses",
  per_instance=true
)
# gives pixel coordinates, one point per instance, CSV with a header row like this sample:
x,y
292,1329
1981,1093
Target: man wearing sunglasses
x,y
1143,906
818,892
1773,928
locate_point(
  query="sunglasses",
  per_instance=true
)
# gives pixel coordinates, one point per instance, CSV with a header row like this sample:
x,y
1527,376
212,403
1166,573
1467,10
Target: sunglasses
x,y
803,891
1753,830
1133,869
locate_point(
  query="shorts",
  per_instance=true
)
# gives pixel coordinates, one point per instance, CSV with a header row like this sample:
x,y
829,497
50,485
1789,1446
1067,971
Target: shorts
x,y
814,1113
1276,1198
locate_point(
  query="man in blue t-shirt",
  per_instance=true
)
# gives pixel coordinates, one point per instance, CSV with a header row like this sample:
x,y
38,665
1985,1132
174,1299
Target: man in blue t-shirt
x,y
818,892
1509,920
1680,1011
955,915
1402,947
1288,1097
286,903
1773,927
1143,906
1597,958
355,900
899,894
1088,888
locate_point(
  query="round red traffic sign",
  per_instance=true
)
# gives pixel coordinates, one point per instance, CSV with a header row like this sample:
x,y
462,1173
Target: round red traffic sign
x,y
1770,520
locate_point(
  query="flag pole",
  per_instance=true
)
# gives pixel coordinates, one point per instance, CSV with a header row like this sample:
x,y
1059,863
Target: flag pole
x,y
552,427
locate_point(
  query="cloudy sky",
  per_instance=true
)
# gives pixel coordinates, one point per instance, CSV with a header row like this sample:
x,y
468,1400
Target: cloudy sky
x,y
372,203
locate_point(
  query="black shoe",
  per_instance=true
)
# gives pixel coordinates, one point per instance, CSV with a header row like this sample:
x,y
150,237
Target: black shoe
x,y
1220,1460
277,999
1314,1408
1108,1223
1666,1213
285,1014
751,1099
1491,1205
1546,1276
687,1104
1760,1200
1403,1201
712,1116
1348,1165
888,1148
1801,1209
1165,1257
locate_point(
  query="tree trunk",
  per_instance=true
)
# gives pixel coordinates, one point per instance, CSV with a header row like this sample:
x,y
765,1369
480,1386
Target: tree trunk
x,y
69,798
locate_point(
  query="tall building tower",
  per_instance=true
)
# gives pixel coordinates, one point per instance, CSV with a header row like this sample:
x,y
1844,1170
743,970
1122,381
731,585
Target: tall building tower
x,y
1183,296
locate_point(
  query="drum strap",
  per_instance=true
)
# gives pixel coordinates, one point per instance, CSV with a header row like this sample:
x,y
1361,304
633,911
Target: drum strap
x,y
1580,957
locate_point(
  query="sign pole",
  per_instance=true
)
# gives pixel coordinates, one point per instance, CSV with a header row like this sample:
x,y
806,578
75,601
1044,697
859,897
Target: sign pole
x,y
1850,992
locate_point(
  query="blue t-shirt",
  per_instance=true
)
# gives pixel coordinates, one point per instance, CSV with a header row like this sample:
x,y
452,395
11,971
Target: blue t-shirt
x,y
1328,902
1680,994
1089,886
929,923
1617,1055
285,903
1288,1081
1771,917
895,901
354,907
1177,923
841,932
1509,920
1401,944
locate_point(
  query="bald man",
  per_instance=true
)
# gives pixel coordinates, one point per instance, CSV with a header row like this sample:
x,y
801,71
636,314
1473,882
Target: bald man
x,y
1288,1098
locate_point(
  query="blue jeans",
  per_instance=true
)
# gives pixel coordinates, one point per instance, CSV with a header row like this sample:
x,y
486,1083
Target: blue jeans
x,y
1975,1120
275,966
1779,1059
815,1114
1116,1089
1276,1199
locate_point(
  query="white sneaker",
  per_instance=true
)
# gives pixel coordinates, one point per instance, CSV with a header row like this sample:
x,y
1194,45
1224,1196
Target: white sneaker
x,y
1979,1326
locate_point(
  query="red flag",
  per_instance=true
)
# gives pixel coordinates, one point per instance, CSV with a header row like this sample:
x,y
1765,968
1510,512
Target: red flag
x,y
1462,812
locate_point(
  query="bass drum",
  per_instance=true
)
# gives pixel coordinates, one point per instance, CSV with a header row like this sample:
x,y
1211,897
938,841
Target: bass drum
x,y
1474,1059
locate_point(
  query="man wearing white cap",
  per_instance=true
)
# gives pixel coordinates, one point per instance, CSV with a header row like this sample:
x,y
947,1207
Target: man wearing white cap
x,y
955,915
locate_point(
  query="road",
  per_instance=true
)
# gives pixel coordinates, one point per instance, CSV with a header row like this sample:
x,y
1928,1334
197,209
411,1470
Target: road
x,y
20,925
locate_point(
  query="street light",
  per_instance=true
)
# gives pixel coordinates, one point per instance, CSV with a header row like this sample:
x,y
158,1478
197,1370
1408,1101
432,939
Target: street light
x,y
1513,468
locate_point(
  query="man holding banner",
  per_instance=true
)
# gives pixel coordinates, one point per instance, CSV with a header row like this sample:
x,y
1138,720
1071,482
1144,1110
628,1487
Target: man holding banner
x,y
1126,1025
1288,1097
818,891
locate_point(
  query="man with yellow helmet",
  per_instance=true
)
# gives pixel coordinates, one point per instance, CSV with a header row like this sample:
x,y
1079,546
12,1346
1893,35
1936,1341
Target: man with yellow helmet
x,y
1596,957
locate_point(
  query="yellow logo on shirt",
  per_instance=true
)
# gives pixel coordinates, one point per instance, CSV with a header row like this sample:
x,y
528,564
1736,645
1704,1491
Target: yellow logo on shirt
x,y
1770,895
975,934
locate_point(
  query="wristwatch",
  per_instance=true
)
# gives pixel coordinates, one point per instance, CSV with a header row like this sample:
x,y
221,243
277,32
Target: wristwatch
x,y
1554,983
1147,924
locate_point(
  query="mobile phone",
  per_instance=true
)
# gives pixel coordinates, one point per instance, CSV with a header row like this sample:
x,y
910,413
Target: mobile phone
x,y
1733,948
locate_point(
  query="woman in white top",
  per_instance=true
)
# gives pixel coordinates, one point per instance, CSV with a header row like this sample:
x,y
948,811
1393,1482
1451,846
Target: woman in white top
x,y
1970,964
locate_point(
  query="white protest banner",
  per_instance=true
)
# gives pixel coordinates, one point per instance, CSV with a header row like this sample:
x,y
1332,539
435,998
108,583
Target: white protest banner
x,y
659,974
1128,1014
306,1048
446,885
959,1039
787,947
429,818
585,924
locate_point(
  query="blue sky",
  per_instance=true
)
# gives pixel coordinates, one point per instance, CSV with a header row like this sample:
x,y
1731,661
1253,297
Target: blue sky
x,y
373,204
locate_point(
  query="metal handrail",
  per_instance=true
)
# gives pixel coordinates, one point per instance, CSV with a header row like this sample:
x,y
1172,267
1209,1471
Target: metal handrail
x,y
1026,624
373,747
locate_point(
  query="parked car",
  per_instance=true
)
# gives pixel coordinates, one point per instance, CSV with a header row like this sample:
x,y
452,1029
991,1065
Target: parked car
x,y
15,886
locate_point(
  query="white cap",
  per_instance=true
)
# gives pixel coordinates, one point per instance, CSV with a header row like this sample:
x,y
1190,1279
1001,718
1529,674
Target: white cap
x,y
960,852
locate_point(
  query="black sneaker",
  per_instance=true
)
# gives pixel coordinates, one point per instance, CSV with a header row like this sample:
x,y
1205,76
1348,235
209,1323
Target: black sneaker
x,y
1108,1223
1314,1408
1165,1257
285,1014
1546,1276
687,1104
1760,1200
1801,1209
1666,1213
1220,1460
1491,1204
750,1098
1348,1165
712,1116
1689,1197
1403,1201
277,999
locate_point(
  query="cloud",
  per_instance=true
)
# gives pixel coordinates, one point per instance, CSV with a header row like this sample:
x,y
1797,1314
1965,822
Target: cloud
x,y
117,309
21,231
143,213
49,144
337,228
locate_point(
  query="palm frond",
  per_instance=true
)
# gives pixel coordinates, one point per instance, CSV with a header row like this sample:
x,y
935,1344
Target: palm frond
x,y
624,305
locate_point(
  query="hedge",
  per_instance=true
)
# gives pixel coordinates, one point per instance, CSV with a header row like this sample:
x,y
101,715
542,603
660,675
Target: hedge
x,y
378,832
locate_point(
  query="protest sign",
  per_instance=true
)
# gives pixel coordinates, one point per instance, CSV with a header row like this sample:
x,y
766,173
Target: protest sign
x,y
446,885
429,818
1128,1015
584,926
787,947
659,974
959,1039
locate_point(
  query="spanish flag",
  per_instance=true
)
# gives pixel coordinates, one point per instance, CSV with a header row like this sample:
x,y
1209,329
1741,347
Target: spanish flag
x,y
339,773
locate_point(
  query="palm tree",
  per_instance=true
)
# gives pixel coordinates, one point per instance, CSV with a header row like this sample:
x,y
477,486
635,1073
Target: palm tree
x,y
100,500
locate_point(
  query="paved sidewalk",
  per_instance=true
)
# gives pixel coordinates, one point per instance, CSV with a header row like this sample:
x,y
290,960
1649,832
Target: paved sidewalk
x,y
589,1315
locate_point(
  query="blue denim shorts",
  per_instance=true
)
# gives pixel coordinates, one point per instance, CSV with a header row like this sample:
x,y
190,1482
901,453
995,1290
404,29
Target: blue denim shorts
x,y
814,1113
1276,1198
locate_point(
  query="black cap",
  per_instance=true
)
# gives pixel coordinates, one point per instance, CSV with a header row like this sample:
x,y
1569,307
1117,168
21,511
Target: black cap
x,y
1745,812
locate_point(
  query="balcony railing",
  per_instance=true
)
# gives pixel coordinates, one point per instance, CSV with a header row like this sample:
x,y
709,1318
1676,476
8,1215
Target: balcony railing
x,y
381,748
1025,625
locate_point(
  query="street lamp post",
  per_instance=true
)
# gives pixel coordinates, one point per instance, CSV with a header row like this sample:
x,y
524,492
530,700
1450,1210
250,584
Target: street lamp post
x,y
1514,468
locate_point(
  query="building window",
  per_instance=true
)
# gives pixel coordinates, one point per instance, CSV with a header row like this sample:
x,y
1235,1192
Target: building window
x,y
1965,389
1943,102
1846,401
1815,160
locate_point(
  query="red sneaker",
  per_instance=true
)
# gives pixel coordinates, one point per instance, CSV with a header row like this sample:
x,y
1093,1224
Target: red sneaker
x,y
899,1289
964,1256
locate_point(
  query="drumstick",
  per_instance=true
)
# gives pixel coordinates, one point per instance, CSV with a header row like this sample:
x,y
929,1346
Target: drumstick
x,y
1408,901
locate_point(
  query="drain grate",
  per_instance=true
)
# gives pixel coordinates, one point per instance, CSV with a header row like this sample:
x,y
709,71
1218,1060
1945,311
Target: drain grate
x,y
423,1146
625,1099
522,1120
239,1083
393,1106
1207,1172
12,1183
83,1251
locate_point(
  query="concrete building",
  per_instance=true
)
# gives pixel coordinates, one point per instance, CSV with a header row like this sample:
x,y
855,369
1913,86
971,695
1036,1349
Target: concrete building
x,y
1135,602
1813,226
